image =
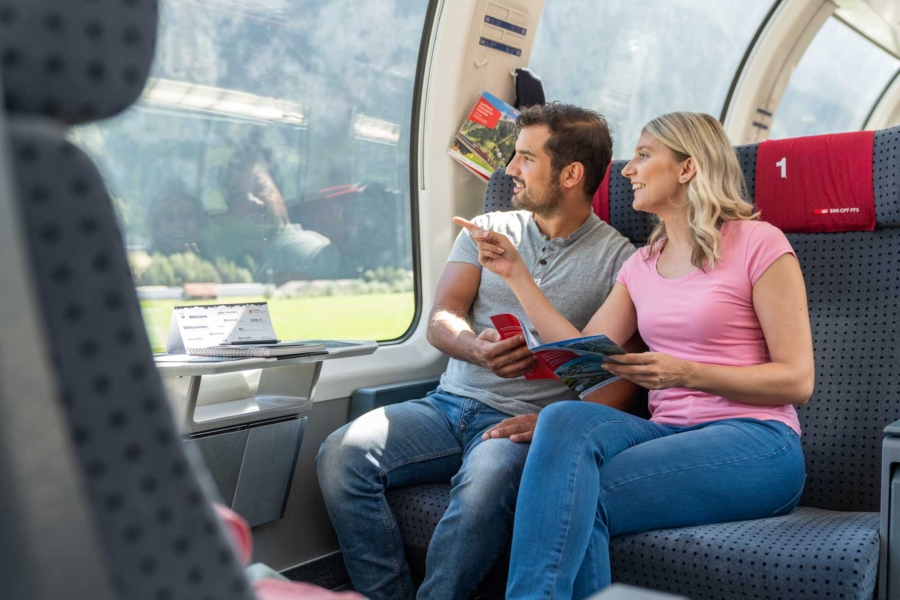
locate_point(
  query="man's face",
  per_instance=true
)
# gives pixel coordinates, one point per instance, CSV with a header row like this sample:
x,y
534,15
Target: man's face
x,y
537,186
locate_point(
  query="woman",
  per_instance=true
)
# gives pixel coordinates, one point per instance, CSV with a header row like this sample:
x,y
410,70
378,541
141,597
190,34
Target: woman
x,y
719,298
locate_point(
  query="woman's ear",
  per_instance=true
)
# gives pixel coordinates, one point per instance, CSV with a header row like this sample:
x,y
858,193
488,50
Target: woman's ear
x,y
687,171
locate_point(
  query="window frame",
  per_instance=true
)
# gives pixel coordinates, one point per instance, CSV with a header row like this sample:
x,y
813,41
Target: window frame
x,y
862,124
416,101
751,47
415,139
893,83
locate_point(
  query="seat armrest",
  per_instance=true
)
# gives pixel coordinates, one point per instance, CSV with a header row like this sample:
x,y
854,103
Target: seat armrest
x,y
889,533
366,399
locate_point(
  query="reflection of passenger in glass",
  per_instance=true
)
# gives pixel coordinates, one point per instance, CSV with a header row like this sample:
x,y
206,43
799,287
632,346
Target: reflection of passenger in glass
x,y
258,225
177,222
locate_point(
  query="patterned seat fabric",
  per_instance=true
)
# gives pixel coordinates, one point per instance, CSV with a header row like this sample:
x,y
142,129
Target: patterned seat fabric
x,y
827,548
806,555
418,509
499,192
72,62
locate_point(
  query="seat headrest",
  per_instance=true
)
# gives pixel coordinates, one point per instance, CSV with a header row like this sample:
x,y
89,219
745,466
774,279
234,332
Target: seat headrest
x,y
499,192
612,203
75,61
614,197
886,175
881,184
817,184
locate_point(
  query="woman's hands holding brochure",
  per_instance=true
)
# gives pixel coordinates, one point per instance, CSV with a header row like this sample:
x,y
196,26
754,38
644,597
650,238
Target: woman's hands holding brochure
x,y
652,370
496,252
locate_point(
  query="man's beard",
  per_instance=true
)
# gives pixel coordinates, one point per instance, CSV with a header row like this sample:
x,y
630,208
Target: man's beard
x,y
548,202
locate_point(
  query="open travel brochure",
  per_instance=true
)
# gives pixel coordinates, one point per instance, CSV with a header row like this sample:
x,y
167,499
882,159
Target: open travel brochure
x,y
578,362
486,140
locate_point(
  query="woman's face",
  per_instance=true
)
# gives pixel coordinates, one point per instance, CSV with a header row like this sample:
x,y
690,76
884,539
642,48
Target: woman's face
x,y
656,177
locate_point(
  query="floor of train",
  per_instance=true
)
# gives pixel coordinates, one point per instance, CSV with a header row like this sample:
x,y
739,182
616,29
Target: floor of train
x,y
331,573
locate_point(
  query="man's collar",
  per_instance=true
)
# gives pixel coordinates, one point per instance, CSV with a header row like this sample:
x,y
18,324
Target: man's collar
x,y
589,223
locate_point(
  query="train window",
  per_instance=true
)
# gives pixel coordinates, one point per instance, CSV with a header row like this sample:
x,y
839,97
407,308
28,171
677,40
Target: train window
x,y
269,158
835,85
633,61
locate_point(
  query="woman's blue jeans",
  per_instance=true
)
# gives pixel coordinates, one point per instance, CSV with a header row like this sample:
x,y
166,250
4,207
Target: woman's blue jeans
x,y
594,473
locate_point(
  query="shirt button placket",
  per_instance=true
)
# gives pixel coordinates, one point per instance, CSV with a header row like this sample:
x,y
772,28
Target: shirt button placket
x,y
538,270
547,253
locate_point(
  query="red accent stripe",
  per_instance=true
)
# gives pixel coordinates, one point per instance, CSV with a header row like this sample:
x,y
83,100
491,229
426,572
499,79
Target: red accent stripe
x,y
601,197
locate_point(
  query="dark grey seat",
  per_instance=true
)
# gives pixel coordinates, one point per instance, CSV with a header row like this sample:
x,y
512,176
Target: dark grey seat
x,y
810,553
65,63
829,547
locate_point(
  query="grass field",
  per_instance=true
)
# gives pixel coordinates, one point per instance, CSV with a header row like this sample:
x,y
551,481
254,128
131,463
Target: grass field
x,y
362,317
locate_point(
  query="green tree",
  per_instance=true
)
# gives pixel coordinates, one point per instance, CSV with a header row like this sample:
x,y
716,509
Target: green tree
x,y
160,272
190,268
231,273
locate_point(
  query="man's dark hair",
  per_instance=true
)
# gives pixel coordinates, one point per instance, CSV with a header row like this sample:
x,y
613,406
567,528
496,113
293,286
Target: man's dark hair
x,y
576,135
238,176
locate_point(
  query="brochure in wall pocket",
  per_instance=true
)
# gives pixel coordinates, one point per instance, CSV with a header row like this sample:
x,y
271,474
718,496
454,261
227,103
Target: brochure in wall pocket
x,y
486,140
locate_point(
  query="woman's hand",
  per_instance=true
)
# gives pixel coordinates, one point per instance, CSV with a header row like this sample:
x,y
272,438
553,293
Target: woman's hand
x,y
652,370
495,252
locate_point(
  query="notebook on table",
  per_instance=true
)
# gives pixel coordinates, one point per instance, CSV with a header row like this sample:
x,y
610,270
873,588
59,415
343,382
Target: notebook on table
x,y
231,331
273,350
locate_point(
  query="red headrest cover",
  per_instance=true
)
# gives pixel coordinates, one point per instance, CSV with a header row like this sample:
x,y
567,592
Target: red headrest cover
x,y
817,184
601,197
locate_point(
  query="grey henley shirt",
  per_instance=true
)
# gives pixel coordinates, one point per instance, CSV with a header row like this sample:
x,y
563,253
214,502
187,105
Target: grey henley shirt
x,y
576,274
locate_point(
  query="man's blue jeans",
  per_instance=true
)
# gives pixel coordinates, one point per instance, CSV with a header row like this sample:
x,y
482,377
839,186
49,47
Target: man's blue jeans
x,y
594,473
435,439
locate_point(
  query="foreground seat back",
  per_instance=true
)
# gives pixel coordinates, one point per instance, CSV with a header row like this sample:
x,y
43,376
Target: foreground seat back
x,y
65,63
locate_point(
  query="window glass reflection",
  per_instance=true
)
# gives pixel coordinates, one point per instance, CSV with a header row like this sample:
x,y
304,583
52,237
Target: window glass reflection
x,y
633,61
269,155
835,85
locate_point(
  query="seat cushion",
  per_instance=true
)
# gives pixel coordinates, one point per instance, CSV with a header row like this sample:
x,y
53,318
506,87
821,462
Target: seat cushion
x,y
810,553
418,509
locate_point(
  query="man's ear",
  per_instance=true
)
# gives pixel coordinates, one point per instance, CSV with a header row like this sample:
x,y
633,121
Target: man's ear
x,y
572,175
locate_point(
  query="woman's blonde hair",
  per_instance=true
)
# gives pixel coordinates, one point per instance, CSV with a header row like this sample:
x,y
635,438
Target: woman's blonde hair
x,y
715,193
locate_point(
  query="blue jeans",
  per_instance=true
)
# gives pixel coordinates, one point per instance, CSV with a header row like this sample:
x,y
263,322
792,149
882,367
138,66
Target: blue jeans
x,y
436,439
595,473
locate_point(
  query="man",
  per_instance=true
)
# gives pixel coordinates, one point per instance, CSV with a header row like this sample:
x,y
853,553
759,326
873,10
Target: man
x,y
257,225
474,430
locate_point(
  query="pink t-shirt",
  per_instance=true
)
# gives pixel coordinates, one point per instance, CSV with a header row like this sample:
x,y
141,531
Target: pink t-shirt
x,y
708,318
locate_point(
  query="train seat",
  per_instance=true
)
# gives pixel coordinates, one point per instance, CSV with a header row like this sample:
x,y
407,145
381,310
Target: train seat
x,y
830,545
144,497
